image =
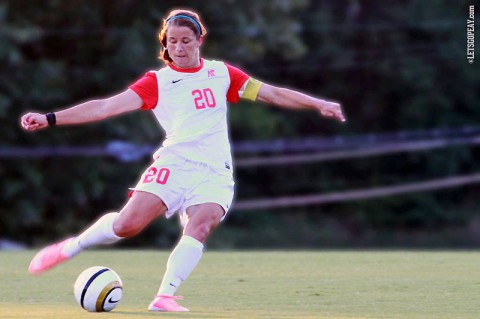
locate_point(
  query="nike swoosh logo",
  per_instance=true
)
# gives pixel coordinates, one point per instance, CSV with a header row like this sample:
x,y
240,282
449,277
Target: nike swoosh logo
x,y
110,300
175,81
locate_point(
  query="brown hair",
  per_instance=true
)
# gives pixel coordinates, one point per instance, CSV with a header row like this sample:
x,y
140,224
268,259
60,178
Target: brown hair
x,y
196,26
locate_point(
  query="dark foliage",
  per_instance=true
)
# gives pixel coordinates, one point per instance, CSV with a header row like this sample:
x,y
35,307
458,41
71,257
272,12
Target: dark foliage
x,y
394,66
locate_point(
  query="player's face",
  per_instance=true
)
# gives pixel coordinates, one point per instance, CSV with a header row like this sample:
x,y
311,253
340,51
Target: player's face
x,y
183,47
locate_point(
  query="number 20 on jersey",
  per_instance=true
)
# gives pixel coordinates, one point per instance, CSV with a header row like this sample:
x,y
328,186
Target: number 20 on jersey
x,y
204,98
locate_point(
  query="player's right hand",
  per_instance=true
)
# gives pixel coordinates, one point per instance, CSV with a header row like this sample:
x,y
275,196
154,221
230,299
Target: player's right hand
x,y
34,121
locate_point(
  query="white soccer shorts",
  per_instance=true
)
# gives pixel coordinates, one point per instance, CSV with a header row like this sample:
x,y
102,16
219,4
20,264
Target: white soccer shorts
x,y
182,183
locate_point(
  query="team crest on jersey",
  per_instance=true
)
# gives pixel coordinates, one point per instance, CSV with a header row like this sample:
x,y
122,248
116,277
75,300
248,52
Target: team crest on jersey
x,y
211,73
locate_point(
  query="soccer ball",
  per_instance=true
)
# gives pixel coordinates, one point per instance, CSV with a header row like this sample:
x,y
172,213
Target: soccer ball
x,y
98,289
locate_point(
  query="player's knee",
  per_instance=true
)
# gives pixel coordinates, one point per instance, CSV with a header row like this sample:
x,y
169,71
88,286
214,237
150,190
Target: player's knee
x,y
203,229
127,228
202,232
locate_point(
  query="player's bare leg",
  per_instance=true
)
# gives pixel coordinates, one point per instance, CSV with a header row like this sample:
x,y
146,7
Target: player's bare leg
x,y
138,213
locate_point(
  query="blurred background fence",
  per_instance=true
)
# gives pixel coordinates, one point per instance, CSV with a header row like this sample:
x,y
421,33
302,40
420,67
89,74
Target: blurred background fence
x,y
401,172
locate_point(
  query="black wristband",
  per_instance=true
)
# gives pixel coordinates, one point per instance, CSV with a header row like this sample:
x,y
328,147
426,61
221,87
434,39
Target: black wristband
x,y
51,119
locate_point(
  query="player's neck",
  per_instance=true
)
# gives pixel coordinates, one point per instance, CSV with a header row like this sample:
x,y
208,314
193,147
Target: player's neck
x,y
190,69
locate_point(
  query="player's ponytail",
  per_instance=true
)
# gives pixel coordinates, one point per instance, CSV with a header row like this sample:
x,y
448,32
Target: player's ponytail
x,y
180,17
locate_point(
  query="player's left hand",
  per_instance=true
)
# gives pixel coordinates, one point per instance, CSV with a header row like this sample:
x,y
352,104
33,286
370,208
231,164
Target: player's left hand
x,y
332,110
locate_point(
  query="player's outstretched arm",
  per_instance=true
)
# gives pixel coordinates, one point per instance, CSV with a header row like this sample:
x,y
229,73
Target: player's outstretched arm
x,y
91,111
295,100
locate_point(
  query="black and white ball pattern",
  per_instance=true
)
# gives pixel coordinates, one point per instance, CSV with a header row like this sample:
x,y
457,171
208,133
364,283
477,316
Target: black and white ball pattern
x,y
98,289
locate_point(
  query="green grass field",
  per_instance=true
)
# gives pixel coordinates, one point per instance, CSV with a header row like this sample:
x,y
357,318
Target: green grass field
x,y
269,284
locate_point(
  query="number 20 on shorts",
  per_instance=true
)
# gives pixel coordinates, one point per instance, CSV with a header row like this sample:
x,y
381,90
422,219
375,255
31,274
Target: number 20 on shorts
x,y
204,98
158,175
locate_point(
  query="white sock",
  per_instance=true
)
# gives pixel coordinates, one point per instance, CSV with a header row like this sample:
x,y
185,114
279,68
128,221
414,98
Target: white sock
x,y
182,261
100,233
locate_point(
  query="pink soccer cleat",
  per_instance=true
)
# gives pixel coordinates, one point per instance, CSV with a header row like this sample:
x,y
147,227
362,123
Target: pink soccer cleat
x,y
166,303
48,257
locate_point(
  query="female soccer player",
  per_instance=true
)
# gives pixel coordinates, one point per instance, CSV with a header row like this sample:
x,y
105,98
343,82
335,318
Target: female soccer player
x,y
192,172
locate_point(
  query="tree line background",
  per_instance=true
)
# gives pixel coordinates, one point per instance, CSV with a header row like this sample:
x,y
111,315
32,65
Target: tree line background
x,y
396,67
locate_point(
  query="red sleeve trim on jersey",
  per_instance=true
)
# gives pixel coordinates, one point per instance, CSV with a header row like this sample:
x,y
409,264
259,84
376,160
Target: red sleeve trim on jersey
x,y
147,88
237,80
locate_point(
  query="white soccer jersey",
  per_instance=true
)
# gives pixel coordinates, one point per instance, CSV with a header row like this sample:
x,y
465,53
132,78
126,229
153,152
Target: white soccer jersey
x,y
191,106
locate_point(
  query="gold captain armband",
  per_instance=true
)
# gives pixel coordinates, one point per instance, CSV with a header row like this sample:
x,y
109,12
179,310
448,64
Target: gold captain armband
x,y
251,89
